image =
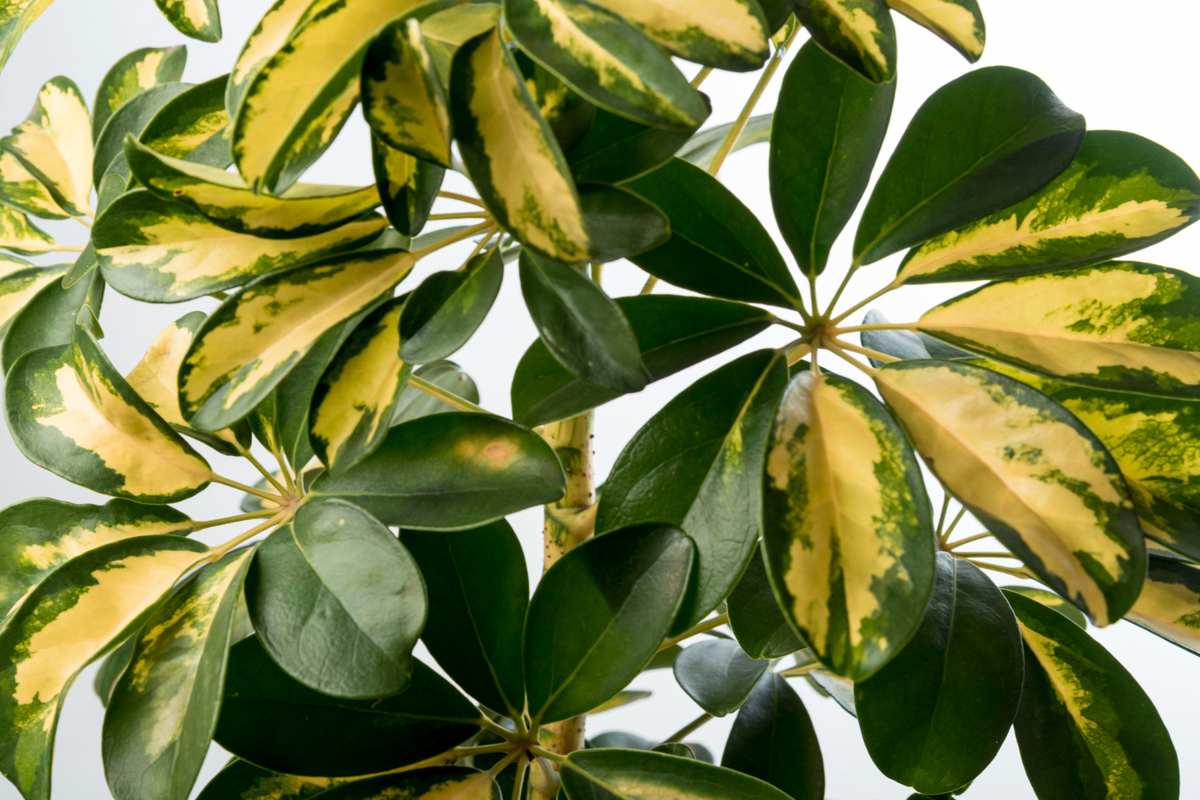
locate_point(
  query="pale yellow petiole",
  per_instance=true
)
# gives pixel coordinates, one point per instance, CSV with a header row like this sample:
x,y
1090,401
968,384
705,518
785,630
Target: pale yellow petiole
x,y
695,630
450,398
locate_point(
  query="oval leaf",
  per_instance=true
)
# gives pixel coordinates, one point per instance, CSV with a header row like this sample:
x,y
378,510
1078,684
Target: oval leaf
x,y
614,149
403,100
193,125
22,190
48,320
199,19
726,34
133,74
443,313
641,775
958,22
758,623
130,119
773,740
859,32
718,675
54,143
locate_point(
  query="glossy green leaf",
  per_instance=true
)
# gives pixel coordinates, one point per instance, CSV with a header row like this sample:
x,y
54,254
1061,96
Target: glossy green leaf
x,y
696,464
859,32
163,710
272,721
54,144
443,313
478,594
1085,728
130,119
72,617
717,675
407,185
717,246
581,326
1170,602
599,615
638,775
957,22
193,125
450,471
982,142
614,149
847,529
827,132
134,73
335,587
758,623
935,716
773,739
199,19
1031,472
621,223
414,403
48,319
403,100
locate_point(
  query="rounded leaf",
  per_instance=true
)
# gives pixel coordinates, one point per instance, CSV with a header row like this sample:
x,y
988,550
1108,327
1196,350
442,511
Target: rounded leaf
x,y
718,675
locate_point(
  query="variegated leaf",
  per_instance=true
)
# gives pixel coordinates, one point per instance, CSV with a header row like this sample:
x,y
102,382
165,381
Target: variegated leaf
x,y
847,531
301,96
49,318
199,19
511,154
71,412
133,74
15,17
1031,472
193,125
55,144
433,783
1170,602
21,189
619,774
860,32
156,250
353,404
73,616
130,120
20,282
163,711
304,210
727,34
38,536
1051,600
958,22
447,30
407,185
607,60
17,233
1123,325
252,341
1120,194
241,780
403,99
267,38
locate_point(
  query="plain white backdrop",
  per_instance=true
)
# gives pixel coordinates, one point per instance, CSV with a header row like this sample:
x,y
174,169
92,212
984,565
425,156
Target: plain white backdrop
x,y
1123,67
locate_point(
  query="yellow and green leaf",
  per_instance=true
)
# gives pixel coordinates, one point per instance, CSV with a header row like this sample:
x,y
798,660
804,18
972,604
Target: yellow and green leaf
x,y
447,30
407,185
133,74
958,22
847,532
241,780
21,189
403,98
55,144
511,154
19,283
1122,325
163,710
223,198
49,318
267,38
193,125
1031,472
859,32
156,250
17,233
727,34
1170,602
1120,194
252,341
71,412
72,617
15,17
199,19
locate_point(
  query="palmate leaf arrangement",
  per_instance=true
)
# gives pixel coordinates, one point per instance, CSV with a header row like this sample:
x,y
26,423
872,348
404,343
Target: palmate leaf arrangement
x,y
1056,404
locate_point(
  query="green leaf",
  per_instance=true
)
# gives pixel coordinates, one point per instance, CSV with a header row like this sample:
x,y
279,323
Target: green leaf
x,y
112,668
130,119
620,223
703,146
982,142
403,100
1170,602
15,17
581,326
193,125
71,412
1120,194
271,720
478,594
48,319
638,775
163,711
1052,600
1031,472
38,536
606,59
718,675
772,739
1122,325
717,245
598,616
334,586
859,32
957,22
847,529
241,780
254,339
414,403
696,464
72,617
199,19
450,471
614,149
54,144
443,313
1085,728
727,34
758,623
827,132
935,716
673,332
134,73
407,185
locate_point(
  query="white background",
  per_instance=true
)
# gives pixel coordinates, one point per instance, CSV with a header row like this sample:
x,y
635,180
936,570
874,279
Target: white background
x,y
1123,65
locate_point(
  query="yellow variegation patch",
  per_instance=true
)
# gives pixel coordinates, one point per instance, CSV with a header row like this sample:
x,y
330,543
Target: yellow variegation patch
x,y
19,234
858,31
199,19
1170,602
133,74
403,99
21,189
958,22
731,34
55,144
268,37
19,285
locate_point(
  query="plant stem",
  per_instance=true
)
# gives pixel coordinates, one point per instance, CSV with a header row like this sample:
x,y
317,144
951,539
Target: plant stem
x,y
945,537
499,730
597,272
519,780
245,453
447,397
866,351
462,198
1016,572
796,354
975,537
230,482
689,729
649,285
466,233
216,523
459,215
849,359
550,755
292,481
218,553
796,672
879,326
986,554
701,76
482,243
695,630
893,285
942,516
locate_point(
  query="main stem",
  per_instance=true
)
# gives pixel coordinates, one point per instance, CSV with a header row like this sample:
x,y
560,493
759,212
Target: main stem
x,y
568,523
